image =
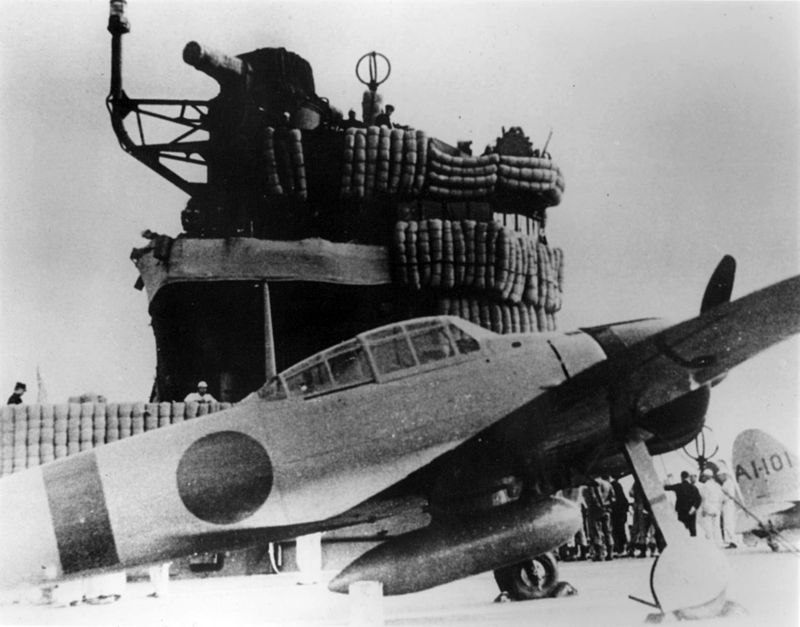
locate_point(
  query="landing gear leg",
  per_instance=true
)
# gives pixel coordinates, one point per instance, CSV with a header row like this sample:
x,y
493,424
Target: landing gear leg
x,y
690,576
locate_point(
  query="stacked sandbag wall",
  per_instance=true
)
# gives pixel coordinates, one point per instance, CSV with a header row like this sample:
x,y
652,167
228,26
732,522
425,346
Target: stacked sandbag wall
x,y
461,177
531,174
36,434
492,275
285,163
379,160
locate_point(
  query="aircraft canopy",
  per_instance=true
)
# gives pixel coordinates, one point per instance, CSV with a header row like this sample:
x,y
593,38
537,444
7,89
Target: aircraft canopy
x,y
377,355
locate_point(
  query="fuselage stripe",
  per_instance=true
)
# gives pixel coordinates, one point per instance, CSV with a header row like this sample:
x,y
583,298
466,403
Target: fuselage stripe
x,y
79,514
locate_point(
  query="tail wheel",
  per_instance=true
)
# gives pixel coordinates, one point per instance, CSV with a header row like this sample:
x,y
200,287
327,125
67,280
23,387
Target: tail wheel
x,y
535,578
773,543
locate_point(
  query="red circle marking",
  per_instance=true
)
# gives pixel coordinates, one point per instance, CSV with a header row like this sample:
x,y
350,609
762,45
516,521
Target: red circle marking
x,y
224,477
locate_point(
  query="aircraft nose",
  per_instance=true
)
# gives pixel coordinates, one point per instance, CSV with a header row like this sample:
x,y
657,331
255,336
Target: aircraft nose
x,y
677,421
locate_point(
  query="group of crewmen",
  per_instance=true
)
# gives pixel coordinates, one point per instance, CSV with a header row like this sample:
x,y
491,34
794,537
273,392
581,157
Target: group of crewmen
x,y
384,118
620,525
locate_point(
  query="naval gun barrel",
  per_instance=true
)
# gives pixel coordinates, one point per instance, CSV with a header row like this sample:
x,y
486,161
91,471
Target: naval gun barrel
x,y
221,67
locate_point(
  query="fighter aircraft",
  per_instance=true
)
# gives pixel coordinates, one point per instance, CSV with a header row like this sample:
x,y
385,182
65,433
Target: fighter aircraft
x,y
439,415
766,472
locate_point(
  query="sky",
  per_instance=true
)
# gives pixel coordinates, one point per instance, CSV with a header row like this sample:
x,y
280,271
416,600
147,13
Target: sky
x,y
675,124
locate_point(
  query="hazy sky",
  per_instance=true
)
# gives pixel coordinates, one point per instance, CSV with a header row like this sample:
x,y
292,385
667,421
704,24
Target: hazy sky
x,y
676,125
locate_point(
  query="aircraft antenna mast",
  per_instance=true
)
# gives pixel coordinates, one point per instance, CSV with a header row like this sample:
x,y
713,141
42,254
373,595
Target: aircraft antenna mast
x,y
700,448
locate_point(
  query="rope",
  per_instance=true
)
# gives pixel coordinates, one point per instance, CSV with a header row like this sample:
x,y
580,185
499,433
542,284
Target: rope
x,y
767,528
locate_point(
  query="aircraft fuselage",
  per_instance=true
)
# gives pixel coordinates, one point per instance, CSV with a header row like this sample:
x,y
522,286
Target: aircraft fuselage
x,y
271,467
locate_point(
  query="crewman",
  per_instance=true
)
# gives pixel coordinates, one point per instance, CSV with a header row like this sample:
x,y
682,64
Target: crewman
x,y
352,121
711,506
201,396
576,548
619,517
731,496
385,118
599,500
16,397
644,534
687,501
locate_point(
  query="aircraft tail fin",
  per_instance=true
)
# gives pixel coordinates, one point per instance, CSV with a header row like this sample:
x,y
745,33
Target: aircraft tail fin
x,y
766,471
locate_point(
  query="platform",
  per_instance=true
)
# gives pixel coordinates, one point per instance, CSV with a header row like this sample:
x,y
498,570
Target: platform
x,y
764,583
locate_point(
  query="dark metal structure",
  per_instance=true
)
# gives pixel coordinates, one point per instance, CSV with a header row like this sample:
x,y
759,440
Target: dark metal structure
x,y
288,242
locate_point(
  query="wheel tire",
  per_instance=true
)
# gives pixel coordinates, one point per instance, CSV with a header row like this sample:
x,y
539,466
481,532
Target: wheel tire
x,y
535,578
772,543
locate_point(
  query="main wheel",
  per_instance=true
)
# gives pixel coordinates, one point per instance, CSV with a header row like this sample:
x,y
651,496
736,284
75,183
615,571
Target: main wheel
x,y
535,578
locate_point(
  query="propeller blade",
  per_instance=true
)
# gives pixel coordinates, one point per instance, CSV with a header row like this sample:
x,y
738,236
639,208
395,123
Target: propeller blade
x,y
720,285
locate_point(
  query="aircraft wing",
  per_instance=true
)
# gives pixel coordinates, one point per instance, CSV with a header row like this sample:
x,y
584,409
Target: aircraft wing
x,y
700,350
640,377
731,333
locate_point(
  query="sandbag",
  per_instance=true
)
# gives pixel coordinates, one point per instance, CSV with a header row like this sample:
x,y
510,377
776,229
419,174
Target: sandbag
x,y
61,416
409,161
469,228
191,410
137,418
422,162
164,414
493,256
373,139
384,157
395,159
178,412
360,163
47,452
436,248
481,251
151,416
411,255
48,416
112,422
424,253
448,255
271,163
298,163
459,253
541,319
124,414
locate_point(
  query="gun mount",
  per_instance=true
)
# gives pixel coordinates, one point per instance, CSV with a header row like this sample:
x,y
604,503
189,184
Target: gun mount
x,y
281,163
